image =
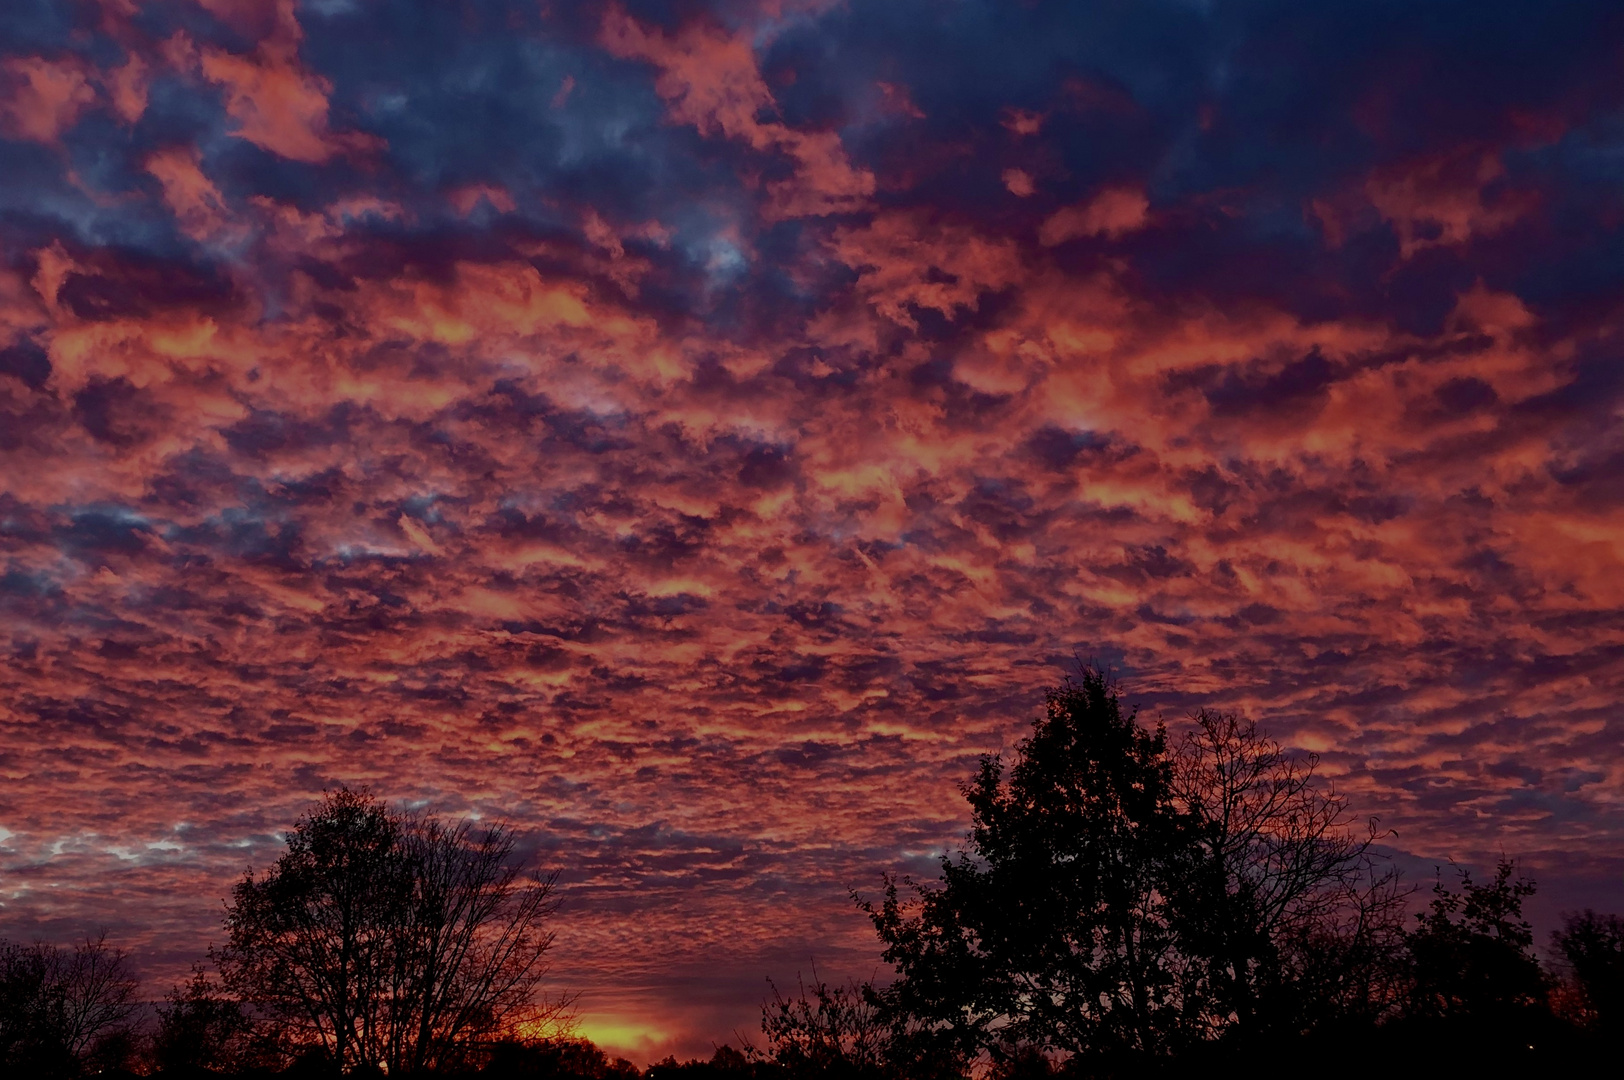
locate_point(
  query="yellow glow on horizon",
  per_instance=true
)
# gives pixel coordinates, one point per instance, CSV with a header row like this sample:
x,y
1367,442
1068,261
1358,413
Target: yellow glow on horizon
x,y
620,1034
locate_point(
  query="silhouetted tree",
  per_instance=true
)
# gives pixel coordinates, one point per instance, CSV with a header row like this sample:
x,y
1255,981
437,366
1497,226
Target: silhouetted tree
x,y
1124,898
1592,947
854,1030
1477,996
1056,932
200,1027
391,941
1288,919
555,1059
472,958
1472,952
62,1010
725,1064
827,1029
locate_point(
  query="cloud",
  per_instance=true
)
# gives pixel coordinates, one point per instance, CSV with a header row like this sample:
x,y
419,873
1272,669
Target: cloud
x,y
44,98
1110,214
200,210
274,101
711,80
702,466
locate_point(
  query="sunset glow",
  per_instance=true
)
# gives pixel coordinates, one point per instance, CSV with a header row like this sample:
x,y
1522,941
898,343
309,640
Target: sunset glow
x,y
694,432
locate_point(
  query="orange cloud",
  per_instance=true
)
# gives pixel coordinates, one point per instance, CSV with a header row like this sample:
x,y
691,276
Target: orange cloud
x,y
902,261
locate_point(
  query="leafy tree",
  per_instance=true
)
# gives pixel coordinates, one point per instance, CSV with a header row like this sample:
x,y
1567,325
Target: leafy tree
x,y
62,1010
391,941
555,1059
1471,954
1592,946
200,1027
1476,996
1126,898
1057,932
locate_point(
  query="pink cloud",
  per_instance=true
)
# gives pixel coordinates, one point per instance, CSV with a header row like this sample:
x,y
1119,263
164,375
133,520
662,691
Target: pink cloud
x,y
199,208
1018,182
710,79
1111,213
274,101
44,98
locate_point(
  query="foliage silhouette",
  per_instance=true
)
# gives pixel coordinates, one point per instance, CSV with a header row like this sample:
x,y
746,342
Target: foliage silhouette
x,y
1472,952
1125,898
63,1011
852,1030
1592,947
390,941
577,1059
1476,995
200,1027
1128,904
829,1028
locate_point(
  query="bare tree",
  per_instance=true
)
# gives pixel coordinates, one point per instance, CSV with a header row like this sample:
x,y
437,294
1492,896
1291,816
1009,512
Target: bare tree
x,y
826,1029
471,958
1293,907
391,941
59,1008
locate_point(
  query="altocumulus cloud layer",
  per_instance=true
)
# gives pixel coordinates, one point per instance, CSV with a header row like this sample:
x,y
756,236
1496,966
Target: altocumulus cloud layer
x,y
695,432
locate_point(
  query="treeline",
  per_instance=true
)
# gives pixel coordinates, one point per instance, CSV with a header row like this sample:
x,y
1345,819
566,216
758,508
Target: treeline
x,y
1127,903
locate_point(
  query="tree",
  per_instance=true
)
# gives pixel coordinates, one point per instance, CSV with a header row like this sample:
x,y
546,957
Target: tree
x,y
1289,914
1056,932
827,1030
555,1059
199,1027
1124,898
472,958
62,1009
1476,995
1592,946
849,1031
1471,954
391,941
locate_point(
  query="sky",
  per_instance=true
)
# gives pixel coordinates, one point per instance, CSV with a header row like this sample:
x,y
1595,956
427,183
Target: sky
x,y
694,432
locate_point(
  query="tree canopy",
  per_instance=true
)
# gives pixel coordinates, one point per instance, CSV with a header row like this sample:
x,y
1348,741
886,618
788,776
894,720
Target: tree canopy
x,y
391,941
1128,901
1124,895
